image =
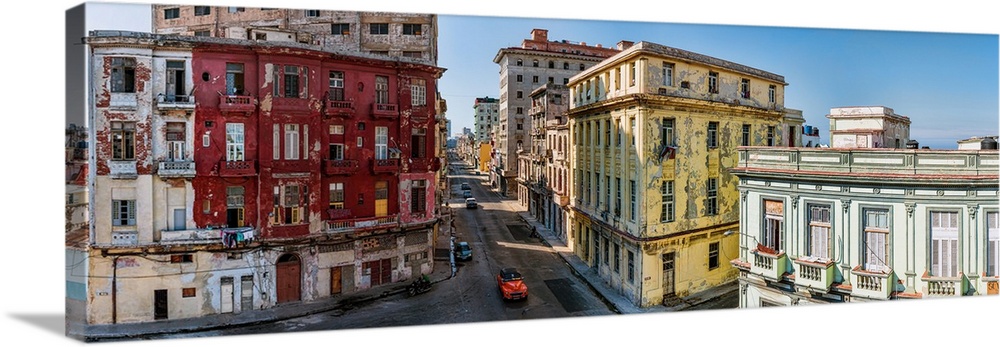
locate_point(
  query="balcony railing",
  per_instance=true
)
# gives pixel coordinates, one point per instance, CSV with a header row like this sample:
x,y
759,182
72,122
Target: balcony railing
x,y
176,102
124,169
190,235
388,111
340,167
176,169
944,286
814,273
338,108
237,168
237,103
770,266
345,225
385,165
871,161
871,285
123,100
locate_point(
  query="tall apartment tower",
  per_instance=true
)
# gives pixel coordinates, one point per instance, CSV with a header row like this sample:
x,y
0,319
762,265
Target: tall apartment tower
x,y
522,69
411,35
486,115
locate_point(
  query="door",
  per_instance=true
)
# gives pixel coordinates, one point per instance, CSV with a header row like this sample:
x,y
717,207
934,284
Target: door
x,y
179,219
668,274
234,217
791,136
381,198
227,295
160,304
288,278
246,293
379,271
335,280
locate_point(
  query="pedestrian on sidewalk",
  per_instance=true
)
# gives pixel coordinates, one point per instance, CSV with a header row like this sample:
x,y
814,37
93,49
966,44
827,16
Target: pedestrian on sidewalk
x,y
534,231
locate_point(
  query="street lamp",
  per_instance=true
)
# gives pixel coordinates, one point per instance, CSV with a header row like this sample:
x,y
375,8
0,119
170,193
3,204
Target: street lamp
x,y
730,232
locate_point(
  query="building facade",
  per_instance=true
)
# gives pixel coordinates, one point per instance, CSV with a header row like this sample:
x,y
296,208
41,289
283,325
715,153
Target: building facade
x,y
523,69
212,196
485,113
822,225
868,127
653,131
548,182
410,35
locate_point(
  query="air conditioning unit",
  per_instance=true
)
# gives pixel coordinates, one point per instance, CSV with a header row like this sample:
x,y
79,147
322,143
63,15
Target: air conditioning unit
x,y
662,91
685,84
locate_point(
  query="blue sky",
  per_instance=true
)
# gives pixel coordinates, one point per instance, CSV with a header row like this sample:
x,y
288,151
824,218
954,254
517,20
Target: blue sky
x,y
946,83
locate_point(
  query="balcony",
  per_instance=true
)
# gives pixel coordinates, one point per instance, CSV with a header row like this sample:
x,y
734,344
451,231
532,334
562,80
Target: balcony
x,y
771,266
175,102
338,108
237,103
345,225
123,100
190,236
872,285
385,165
386,111
237,168
944,286
122,169
176,169
340,167
813,273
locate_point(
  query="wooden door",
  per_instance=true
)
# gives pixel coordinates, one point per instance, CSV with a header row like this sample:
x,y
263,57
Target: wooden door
x,y
668,274
288,278
246,293
160,304
381,198
335,280
227,295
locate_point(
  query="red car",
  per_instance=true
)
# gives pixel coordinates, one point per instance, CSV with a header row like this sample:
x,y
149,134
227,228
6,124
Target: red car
x,y
511,284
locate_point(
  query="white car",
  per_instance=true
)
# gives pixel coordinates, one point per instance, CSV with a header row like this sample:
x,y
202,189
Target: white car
x,y
471,203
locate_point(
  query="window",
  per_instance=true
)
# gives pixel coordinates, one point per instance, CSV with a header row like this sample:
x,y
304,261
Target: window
x,y
520,78
123,212
876,240
520,94
668,74
412,29
418,198
565,80
381,90
122,75
618,258
746,135
237,9
618,197
289,200
552,64
380,52
534,79
711,204
582,67
187,292
771,91
202,10
597,191
171,13
175,136
713,255
607,187
819,231
667,132
295,85
520,63
534,63
632,74
337,195
418,92
122,141
520,110
607,133
631,267
340,29
234,79
667,201
235,212
234,142
607,243
418,143
181,258
203,33
993,244
631,193
337,85
312,13
745,88
634,134
381,142
552,80
944,244
770,135
713,82
378,28
413,54
291,141
713,135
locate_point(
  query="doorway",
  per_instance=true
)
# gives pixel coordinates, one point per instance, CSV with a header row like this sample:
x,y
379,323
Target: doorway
x,y
288,278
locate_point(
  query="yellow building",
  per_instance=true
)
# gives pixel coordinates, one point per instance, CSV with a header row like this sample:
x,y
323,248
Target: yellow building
x,y
485,153
654,130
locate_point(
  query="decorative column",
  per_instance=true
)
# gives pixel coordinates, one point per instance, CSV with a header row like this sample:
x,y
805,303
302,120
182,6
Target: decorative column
x,y
973,246
911,275
845,248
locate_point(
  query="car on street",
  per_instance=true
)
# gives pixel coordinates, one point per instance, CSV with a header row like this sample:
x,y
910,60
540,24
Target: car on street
x,y
463,251
471,203
511,284
465,186
466,193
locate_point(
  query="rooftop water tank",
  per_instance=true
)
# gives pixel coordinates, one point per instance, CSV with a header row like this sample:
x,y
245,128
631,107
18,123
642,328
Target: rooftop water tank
x,y
912,144
988,143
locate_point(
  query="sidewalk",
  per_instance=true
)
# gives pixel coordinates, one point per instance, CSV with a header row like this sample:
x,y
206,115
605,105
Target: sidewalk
x,y
580,268
77,330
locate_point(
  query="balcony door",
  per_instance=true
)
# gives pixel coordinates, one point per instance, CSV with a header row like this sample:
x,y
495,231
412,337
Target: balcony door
x,y
381,198
179,219
175,81
381,142
668,274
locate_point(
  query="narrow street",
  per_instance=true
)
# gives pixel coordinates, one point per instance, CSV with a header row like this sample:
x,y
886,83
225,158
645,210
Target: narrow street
x,y
499,239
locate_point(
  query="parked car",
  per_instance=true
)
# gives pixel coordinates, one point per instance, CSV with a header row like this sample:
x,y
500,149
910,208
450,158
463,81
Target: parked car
x,y
511,285
466,193
463,251
465,186
471,203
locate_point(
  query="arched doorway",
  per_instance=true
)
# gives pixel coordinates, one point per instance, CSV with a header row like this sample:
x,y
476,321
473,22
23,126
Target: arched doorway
x,y
289,274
